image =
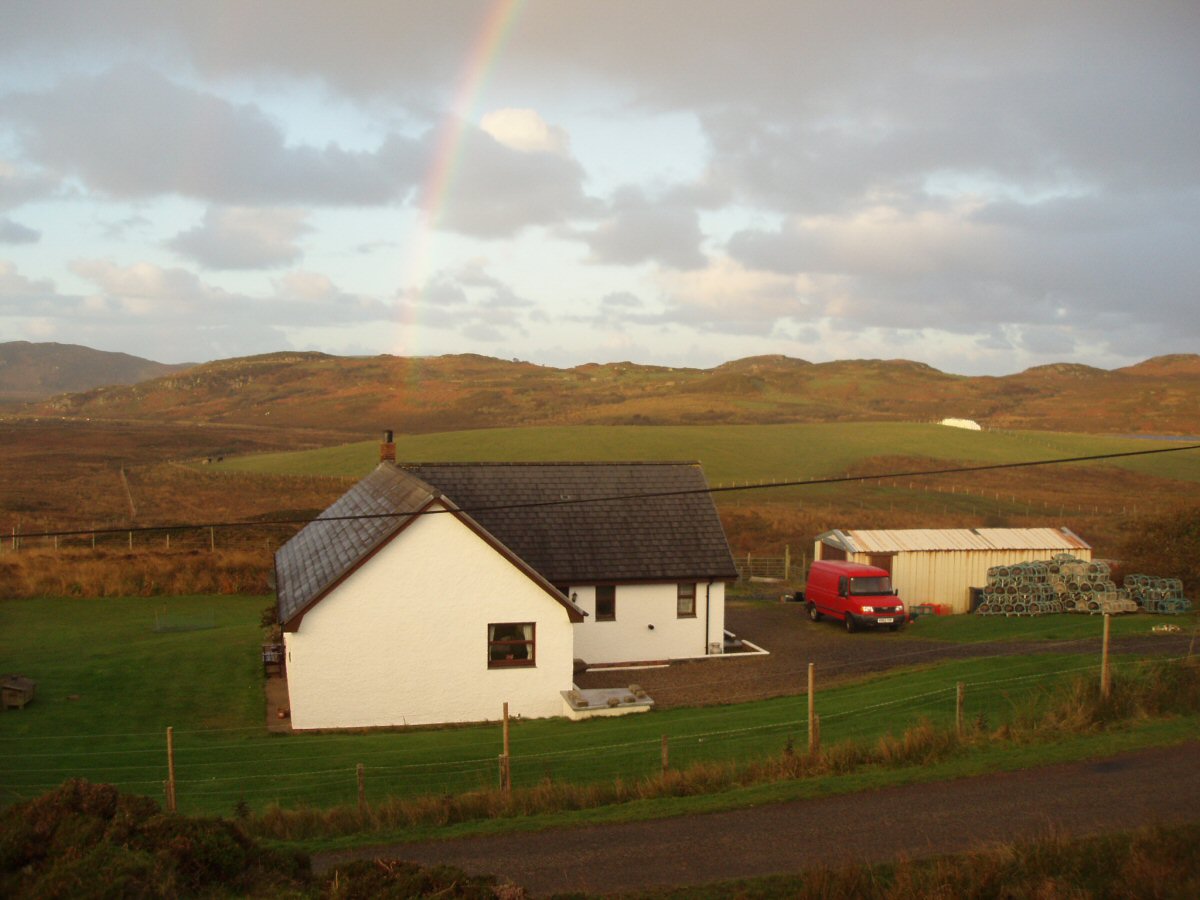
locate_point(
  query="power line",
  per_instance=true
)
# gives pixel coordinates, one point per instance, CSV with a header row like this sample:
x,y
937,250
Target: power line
x,y
617,498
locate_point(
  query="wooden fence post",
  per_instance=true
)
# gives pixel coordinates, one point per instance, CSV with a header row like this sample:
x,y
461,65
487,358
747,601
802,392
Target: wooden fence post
x,y
506,760
666,756
958,711
812,731
212,539
1105,671
362,788
171,806
787,563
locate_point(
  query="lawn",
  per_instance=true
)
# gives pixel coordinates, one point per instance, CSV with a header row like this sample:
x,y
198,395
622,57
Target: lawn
x,y
109,684
731,453
1059,627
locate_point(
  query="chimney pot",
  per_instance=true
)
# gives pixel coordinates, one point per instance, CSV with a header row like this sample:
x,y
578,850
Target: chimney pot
x,y
387,450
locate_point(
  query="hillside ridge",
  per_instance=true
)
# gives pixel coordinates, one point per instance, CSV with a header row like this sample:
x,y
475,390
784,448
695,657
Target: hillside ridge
x,y
466,391
35,371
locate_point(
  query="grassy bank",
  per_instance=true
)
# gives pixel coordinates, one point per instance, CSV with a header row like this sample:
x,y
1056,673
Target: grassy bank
x,y
114,674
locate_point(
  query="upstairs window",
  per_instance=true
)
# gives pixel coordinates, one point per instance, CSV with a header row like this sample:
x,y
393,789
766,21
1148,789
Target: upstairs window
x,y
606,603
685,603
510,644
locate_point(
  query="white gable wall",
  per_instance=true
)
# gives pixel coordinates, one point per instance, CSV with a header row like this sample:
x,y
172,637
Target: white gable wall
x,y
638,606
403,640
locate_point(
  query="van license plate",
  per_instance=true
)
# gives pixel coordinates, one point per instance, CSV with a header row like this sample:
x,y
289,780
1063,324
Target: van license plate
x,y
887,621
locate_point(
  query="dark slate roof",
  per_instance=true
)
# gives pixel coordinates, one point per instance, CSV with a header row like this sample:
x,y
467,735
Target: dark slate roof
x,y
324,551
540,511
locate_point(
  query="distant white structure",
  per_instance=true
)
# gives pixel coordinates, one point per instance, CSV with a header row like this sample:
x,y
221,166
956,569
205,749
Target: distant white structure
x,y
961,423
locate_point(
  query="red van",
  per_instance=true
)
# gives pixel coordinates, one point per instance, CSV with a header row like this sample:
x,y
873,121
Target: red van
x,y
858,595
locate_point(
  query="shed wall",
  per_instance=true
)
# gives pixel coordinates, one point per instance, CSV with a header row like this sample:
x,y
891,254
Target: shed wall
x,y
947,576
404,639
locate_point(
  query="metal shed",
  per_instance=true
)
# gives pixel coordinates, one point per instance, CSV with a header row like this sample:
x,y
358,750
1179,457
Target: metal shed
x,y
941,565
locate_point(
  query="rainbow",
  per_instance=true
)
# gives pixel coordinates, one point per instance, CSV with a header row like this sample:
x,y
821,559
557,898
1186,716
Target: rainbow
x,y
435,189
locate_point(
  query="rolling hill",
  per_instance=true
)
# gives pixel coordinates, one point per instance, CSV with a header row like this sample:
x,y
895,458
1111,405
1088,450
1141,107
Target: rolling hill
x,y
30,372
420,395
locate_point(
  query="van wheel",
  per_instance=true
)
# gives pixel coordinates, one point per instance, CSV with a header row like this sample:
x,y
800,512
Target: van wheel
x,y
813,612
850,626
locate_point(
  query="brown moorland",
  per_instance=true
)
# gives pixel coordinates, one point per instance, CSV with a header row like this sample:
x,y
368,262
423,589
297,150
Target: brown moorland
x,y
111,458
448,393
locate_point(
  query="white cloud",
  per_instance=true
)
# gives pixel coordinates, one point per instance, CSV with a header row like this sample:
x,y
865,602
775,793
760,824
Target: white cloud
x,y
244,238
727,296
525,130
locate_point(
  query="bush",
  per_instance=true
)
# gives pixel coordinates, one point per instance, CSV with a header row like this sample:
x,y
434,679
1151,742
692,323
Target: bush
x,y
1167,545
87,840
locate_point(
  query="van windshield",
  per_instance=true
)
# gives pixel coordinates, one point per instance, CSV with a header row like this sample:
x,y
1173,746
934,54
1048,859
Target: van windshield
x,y
876,584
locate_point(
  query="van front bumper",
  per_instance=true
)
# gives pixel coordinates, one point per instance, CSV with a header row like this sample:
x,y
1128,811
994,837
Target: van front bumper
x,y
878,620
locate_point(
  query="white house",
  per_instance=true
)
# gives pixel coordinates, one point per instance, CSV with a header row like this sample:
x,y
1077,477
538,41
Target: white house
x,y
941,565
437,592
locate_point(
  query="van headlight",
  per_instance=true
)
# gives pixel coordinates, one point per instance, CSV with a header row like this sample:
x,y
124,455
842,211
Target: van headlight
x,y
869,609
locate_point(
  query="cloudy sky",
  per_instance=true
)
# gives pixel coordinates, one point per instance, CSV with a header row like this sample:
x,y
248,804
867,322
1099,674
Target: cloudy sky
x,y
979,186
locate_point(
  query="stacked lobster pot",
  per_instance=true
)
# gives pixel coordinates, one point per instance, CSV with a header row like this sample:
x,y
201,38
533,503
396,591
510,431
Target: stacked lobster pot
x,y
1087,587
1022,589
1158,595
1061,584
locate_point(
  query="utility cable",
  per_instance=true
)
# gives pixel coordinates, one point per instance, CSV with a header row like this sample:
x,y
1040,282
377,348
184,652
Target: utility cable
x,y
619,498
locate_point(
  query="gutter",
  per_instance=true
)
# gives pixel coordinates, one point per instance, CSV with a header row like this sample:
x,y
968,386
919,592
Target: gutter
x,y
707,611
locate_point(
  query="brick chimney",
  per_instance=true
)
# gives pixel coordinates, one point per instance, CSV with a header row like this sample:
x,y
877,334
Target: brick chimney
x,y
387,450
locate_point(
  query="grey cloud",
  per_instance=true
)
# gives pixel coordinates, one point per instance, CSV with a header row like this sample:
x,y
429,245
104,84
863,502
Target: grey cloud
x,y
145,298
638,229
241,238
24,296
470,301
497,191
132,133
18,187
15,233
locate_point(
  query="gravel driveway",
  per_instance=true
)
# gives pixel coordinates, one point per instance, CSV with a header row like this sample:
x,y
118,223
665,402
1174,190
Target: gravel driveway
x,y
794,642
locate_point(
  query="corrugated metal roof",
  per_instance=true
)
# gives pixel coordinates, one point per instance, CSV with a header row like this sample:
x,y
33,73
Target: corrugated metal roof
x,y
919,540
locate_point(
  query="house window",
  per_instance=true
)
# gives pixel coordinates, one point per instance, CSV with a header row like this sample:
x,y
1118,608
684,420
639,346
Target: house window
x,y
606,603
685,604
510,644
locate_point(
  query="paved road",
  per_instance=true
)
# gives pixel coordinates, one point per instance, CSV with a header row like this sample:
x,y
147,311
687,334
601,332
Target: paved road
x,y
1123,792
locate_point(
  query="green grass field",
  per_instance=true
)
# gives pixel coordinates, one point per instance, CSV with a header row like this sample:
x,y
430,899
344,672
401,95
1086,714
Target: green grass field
x,y
109,684
732,453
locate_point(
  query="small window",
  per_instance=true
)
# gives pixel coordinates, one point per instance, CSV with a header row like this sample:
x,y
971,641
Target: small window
x,y
685,604
606,603
510,644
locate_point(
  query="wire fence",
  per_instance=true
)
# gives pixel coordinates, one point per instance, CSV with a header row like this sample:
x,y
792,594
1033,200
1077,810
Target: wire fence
x,y
218,770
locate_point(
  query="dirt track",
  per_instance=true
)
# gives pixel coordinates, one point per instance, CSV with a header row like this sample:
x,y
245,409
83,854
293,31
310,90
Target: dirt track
x,y
1127,791
1159,785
